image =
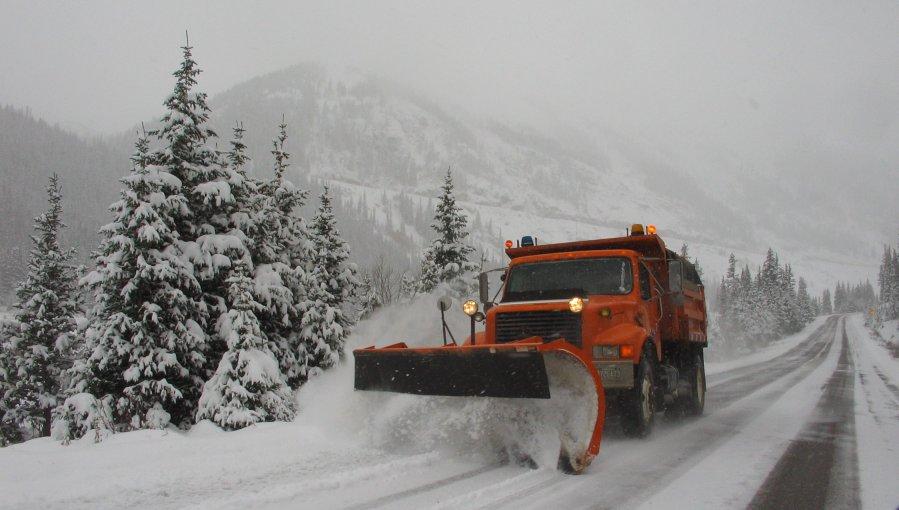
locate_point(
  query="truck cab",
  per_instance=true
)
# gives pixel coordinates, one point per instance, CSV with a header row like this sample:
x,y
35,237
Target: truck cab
x,y
636,309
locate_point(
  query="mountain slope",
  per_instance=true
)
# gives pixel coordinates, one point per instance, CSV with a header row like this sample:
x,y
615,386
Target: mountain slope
x,y
385,149
370,135
361,130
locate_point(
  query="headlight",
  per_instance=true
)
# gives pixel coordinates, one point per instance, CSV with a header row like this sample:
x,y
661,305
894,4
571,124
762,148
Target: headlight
x,y
470,307
605,351
576,304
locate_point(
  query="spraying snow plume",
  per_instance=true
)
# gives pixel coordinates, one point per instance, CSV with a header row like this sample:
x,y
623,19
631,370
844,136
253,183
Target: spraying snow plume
x,y
495,428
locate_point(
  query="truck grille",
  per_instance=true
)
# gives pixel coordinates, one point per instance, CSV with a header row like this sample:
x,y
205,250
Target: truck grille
x,y
550,325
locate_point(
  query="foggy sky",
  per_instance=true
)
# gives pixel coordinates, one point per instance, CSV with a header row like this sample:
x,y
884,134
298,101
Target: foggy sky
x,y
767,82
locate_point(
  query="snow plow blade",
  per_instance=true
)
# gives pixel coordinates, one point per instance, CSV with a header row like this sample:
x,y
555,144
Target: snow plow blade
x,y
453,372
525,369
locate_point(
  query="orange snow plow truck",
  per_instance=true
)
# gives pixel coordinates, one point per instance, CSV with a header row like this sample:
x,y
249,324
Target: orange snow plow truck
x,y
612,324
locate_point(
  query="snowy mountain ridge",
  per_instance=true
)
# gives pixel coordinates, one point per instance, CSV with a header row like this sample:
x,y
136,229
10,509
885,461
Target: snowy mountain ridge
x,y
373,141
369,136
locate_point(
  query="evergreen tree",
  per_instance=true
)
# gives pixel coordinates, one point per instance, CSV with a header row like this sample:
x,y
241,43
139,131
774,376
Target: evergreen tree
x,y
367,298
447,259
331,254
203,223
408,287
248,386
839,298
144,341
9,429
826,305
283,252
894,286
685,254
888,281
804,302
789,313
255,217
331,282
45,319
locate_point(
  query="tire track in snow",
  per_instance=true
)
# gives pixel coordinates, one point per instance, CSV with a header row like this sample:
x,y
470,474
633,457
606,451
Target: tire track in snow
x,y
648,465
393,498
761,382
286,485
820,468
496,493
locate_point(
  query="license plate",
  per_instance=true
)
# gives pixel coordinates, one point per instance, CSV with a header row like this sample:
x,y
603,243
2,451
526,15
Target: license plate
x,y
612,372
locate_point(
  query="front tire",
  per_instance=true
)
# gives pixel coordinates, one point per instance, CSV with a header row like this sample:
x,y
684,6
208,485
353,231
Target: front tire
x,y
638,413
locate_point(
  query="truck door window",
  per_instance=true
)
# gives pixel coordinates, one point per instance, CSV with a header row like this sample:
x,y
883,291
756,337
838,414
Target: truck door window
x,y
645,292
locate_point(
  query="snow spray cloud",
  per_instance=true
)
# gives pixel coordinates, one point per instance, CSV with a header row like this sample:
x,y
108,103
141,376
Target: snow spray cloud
x,y
493,428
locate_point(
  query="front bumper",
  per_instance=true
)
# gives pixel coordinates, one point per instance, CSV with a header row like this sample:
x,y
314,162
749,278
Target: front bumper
x,y
616,374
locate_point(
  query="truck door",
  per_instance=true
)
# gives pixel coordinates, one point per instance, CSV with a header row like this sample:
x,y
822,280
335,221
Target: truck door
x,y
652,299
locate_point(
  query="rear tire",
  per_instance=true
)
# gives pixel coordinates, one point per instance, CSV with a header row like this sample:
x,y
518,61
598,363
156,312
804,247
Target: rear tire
x,y
694,404
639,406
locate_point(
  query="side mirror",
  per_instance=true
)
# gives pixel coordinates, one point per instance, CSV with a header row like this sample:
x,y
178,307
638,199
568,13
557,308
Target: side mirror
x,y
444,303
676,281
675,276
484,288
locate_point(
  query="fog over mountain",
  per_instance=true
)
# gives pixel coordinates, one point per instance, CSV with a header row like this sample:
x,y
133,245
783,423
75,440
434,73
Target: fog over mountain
x,y
733,128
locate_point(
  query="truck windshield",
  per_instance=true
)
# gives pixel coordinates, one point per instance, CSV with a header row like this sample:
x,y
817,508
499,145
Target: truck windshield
x,y
561,279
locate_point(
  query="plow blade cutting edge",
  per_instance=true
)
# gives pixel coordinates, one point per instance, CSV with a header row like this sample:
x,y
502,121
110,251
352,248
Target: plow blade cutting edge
x,y
523,369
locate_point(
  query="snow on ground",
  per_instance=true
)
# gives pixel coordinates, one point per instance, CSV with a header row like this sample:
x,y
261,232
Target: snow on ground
x,y
337,428
730,476
876,418
348,448
889,332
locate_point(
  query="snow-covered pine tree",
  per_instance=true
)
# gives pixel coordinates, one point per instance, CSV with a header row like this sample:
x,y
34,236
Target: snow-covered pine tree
x,y
186,154
894,286
408,287
145,343
760,321
282,250
204,221
45,319
804,303
447,259
685,254
331,253
366,298
826,305
839,298
330,283
731,300
888,281
237,156
788,305
9,431
248,386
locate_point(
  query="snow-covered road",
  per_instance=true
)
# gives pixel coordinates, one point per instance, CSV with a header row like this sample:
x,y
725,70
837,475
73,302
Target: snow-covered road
x,y
811,422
